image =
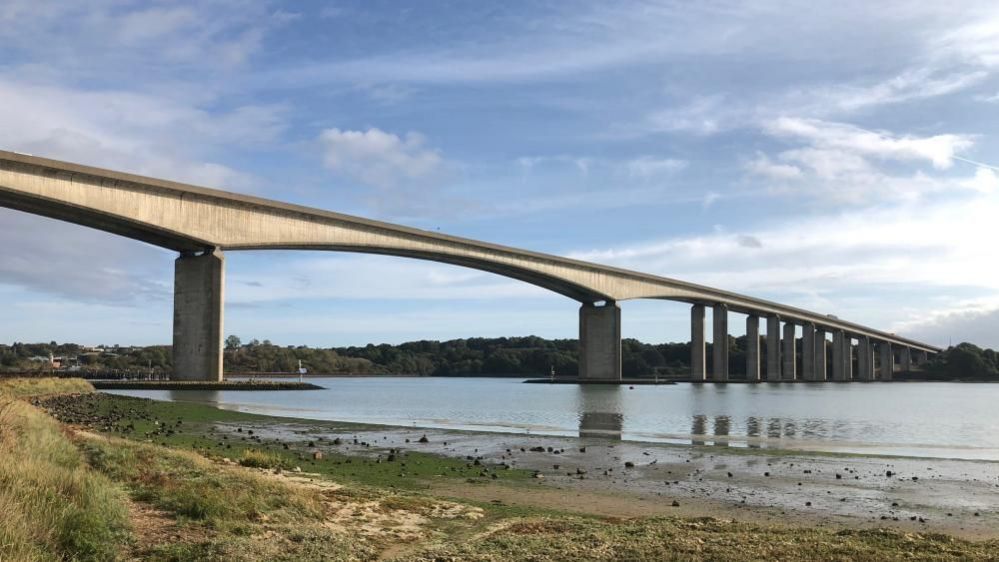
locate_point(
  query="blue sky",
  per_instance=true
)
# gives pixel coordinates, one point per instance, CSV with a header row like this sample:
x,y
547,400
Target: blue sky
x,y
838,158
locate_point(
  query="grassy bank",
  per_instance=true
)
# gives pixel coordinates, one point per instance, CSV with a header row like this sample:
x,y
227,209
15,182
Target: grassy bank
x,y
125,478
24,387
52,507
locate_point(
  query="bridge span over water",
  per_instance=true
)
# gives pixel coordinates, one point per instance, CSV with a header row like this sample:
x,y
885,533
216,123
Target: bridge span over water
x,y
201,224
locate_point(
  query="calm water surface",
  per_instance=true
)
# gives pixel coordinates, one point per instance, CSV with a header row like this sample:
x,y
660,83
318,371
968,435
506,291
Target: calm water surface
x,y
956,420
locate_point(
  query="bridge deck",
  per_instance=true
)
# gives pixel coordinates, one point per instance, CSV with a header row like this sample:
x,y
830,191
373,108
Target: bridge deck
x,y
188,218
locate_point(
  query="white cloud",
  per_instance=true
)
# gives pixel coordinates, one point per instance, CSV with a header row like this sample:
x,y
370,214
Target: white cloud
x,y
976,42
938,149
379,159
985,181
847,164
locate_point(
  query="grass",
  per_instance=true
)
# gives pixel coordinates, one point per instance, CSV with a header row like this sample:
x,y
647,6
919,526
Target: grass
x,y
25,387
194,488
221,511
51,506
254,458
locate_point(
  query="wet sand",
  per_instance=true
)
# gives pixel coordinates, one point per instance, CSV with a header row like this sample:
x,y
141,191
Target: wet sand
x,y
592,475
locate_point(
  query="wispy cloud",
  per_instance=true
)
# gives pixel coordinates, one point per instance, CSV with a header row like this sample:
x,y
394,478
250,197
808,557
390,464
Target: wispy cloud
x,y
80,264
218,34
130,131
647,167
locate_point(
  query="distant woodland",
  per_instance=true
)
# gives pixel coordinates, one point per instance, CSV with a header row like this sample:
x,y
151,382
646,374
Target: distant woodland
x,y
517,356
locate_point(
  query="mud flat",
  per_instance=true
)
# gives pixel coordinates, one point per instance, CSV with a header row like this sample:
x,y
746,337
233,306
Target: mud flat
x,y
625,479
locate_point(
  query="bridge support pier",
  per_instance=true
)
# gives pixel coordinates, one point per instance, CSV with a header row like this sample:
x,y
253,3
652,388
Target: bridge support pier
x,y
698,351
753,348
600,341
719,343
773,348
837,356
821,357
198,297
847,357
790,353
905,358
808,352
865,359
887,361
924,357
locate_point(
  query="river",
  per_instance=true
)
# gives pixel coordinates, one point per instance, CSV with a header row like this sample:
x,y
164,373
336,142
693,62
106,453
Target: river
x,y
942,420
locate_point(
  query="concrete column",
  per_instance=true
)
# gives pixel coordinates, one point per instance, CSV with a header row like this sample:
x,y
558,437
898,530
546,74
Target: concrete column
x,y
821,372
698,356
719,367
198,300
773,348
847,357
808,352
865,367
887,361
871,361
600,341
837,358
753,348
905,358
790,353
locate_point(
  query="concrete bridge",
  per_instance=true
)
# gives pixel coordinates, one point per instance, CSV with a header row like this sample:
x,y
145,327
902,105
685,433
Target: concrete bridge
x,y
200,224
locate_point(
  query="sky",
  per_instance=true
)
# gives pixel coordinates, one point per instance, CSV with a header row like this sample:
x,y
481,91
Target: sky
x,y
840,158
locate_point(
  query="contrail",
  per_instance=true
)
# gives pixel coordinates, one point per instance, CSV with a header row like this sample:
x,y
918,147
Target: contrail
x,y
974,163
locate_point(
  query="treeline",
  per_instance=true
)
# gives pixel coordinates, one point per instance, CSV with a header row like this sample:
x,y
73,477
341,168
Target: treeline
x,y
529,356
516,356
964,361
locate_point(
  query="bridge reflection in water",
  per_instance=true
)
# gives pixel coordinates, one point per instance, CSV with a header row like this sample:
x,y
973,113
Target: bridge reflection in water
x,y
601,415
600,412
759,430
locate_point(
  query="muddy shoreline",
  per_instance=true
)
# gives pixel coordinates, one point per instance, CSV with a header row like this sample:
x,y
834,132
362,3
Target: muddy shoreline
x,y
624,479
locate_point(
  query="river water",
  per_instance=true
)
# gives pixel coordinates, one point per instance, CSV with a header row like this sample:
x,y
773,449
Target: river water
x,y
945,420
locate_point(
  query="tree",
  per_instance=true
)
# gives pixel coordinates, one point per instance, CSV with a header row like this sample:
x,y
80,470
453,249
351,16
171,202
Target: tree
x,y
233,343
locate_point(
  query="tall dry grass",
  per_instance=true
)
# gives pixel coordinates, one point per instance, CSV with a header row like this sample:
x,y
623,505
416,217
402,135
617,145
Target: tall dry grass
x,y
24,387
51,506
